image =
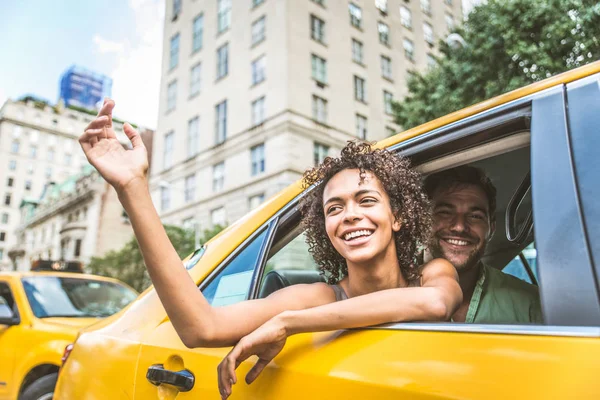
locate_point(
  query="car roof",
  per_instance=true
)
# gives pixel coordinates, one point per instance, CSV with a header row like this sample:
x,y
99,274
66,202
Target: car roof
x,y
563,78
74,275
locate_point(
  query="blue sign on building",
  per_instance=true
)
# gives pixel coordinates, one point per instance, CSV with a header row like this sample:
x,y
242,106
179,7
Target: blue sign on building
x,y
81,87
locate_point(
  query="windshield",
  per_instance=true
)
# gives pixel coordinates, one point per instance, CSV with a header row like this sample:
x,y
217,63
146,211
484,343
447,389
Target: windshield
x,y
51,296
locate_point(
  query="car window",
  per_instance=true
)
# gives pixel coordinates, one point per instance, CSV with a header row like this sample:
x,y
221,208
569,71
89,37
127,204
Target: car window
x,y
518,269
231,285
6,301
293,256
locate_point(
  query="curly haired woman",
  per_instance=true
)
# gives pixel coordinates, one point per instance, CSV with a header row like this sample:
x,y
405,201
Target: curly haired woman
x,y
364,220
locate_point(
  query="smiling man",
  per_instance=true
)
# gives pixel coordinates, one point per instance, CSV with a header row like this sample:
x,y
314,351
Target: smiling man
x,y
464,201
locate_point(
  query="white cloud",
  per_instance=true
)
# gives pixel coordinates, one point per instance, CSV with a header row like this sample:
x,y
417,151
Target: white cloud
x,y
107,46
136,77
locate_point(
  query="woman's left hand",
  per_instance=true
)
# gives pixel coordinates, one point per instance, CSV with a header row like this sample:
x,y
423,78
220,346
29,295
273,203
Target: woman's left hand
x,y
265,342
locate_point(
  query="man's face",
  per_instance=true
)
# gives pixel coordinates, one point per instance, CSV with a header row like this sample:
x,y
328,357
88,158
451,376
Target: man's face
x,y
461,227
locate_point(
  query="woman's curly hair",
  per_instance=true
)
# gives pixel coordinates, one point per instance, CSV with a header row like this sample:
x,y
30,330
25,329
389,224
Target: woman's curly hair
x,y
408,201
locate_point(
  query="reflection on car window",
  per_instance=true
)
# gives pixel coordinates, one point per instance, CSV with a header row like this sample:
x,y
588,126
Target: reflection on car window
x,y
294,255
232,284
51,296
516,268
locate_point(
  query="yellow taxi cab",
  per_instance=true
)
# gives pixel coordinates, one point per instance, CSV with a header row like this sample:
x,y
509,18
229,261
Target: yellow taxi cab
x,y
539,146
40,315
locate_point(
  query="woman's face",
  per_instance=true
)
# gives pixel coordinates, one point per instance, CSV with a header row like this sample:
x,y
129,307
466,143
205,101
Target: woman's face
x,y
358,217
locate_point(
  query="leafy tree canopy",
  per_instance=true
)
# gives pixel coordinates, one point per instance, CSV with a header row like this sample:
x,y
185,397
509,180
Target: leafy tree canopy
x,y
128,265
509,44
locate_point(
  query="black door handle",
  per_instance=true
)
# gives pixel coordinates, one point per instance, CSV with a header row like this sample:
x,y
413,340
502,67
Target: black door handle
x,y
183,379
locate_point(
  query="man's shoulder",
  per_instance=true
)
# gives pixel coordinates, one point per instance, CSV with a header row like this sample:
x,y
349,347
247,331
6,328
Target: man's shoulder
x,y
509,284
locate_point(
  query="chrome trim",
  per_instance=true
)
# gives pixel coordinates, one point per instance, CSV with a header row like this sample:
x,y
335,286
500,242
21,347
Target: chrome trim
x,y
537,330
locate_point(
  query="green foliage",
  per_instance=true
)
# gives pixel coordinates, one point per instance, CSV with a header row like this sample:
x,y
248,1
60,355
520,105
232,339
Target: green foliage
x,y
128,265
510,43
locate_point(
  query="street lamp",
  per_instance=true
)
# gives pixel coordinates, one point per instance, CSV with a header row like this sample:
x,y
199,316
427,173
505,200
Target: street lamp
x,y
196,225
455,41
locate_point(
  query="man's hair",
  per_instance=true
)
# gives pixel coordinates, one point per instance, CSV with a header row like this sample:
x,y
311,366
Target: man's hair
x,y
408,202
463,175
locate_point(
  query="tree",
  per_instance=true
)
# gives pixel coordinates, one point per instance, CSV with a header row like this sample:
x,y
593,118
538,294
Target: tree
x,y
509,44
128,265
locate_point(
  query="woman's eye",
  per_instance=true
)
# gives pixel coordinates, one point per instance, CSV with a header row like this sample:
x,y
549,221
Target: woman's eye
x,y
333,209
368,200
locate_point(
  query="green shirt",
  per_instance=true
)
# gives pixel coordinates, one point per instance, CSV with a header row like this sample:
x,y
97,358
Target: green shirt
x,y
500,298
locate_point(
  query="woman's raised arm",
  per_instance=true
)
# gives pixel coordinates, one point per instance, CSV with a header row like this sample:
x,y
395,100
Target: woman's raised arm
x,y
197,323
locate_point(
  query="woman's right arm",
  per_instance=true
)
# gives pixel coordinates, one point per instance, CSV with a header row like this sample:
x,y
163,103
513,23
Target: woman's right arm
x,y
197,323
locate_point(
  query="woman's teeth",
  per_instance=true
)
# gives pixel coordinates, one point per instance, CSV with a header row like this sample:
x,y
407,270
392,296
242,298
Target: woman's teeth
x,y
356,234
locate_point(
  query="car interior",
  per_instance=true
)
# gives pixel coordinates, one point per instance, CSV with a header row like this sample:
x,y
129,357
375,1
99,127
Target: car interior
x,y
506,161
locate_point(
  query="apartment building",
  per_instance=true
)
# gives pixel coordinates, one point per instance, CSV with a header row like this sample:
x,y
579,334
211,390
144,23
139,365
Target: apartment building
x,y
255,91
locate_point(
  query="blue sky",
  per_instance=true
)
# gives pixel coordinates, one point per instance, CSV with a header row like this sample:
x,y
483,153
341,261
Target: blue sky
x,y
121,39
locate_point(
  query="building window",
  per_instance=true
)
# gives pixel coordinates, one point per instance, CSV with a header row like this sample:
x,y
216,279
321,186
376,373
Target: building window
x,y
387,102
319,2
223,61
174,53
176,9
257,157
386,67
1,254
10,182
14,148
30,169
33,151
357,51
409,49
355,15
218,217
193,139
77,248
428,32
431,61
258,111
168,150
361,127
171,96
68,159
319,69
218,173
317,29
426,6
405,17
2,236
359,89
223,15
221,122
7,199
195,82
449,2
449,21
4,218
319,108
189,192
259,67
384,33
256,3
165,198
255,201
258,31
28,185
12,165
381,5
320,151
198,33
50,155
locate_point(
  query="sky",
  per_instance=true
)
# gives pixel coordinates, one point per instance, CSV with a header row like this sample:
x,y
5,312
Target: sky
x,y
121,39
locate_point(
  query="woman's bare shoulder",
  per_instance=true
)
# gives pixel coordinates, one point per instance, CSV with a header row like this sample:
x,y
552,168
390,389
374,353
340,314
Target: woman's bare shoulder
x,y
308,294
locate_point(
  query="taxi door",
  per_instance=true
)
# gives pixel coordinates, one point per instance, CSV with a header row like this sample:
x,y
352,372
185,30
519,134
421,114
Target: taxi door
x,y
166,367
9,332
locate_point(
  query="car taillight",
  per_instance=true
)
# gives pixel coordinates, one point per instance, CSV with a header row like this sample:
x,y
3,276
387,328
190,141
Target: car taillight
x,y
66,353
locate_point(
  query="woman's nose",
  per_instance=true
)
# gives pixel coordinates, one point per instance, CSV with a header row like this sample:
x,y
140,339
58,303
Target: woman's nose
x,y
352,214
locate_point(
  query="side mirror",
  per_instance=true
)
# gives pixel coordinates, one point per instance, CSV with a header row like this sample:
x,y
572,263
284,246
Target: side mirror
x,y
8,316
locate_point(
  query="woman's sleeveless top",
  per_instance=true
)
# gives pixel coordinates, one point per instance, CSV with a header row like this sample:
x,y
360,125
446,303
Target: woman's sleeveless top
x,y
340,294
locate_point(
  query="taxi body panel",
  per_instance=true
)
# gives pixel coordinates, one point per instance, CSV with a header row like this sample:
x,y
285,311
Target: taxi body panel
x,y
368,363
35,342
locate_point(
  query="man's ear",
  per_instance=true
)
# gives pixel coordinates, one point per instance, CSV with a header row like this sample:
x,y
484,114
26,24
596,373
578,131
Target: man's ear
x,y
492,230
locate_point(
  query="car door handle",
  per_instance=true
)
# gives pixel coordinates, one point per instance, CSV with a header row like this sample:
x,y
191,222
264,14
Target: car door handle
x,y
184,379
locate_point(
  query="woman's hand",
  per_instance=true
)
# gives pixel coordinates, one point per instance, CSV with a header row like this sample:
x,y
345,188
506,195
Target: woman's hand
x,y
118,166
265,342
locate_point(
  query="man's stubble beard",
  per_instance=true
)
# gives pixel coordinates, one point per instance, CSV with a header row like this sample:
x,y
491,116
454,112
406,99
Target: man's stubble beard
x,y
471,262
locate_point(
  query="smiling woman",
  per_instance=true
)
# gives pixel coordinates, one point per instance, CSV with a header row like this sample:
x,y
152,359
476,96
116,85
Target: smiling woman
x,y
365,220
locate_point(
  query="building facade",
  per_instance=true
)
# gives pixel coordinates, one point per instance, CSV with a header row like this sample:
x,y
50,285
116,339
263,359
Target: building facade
x,y
255,91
